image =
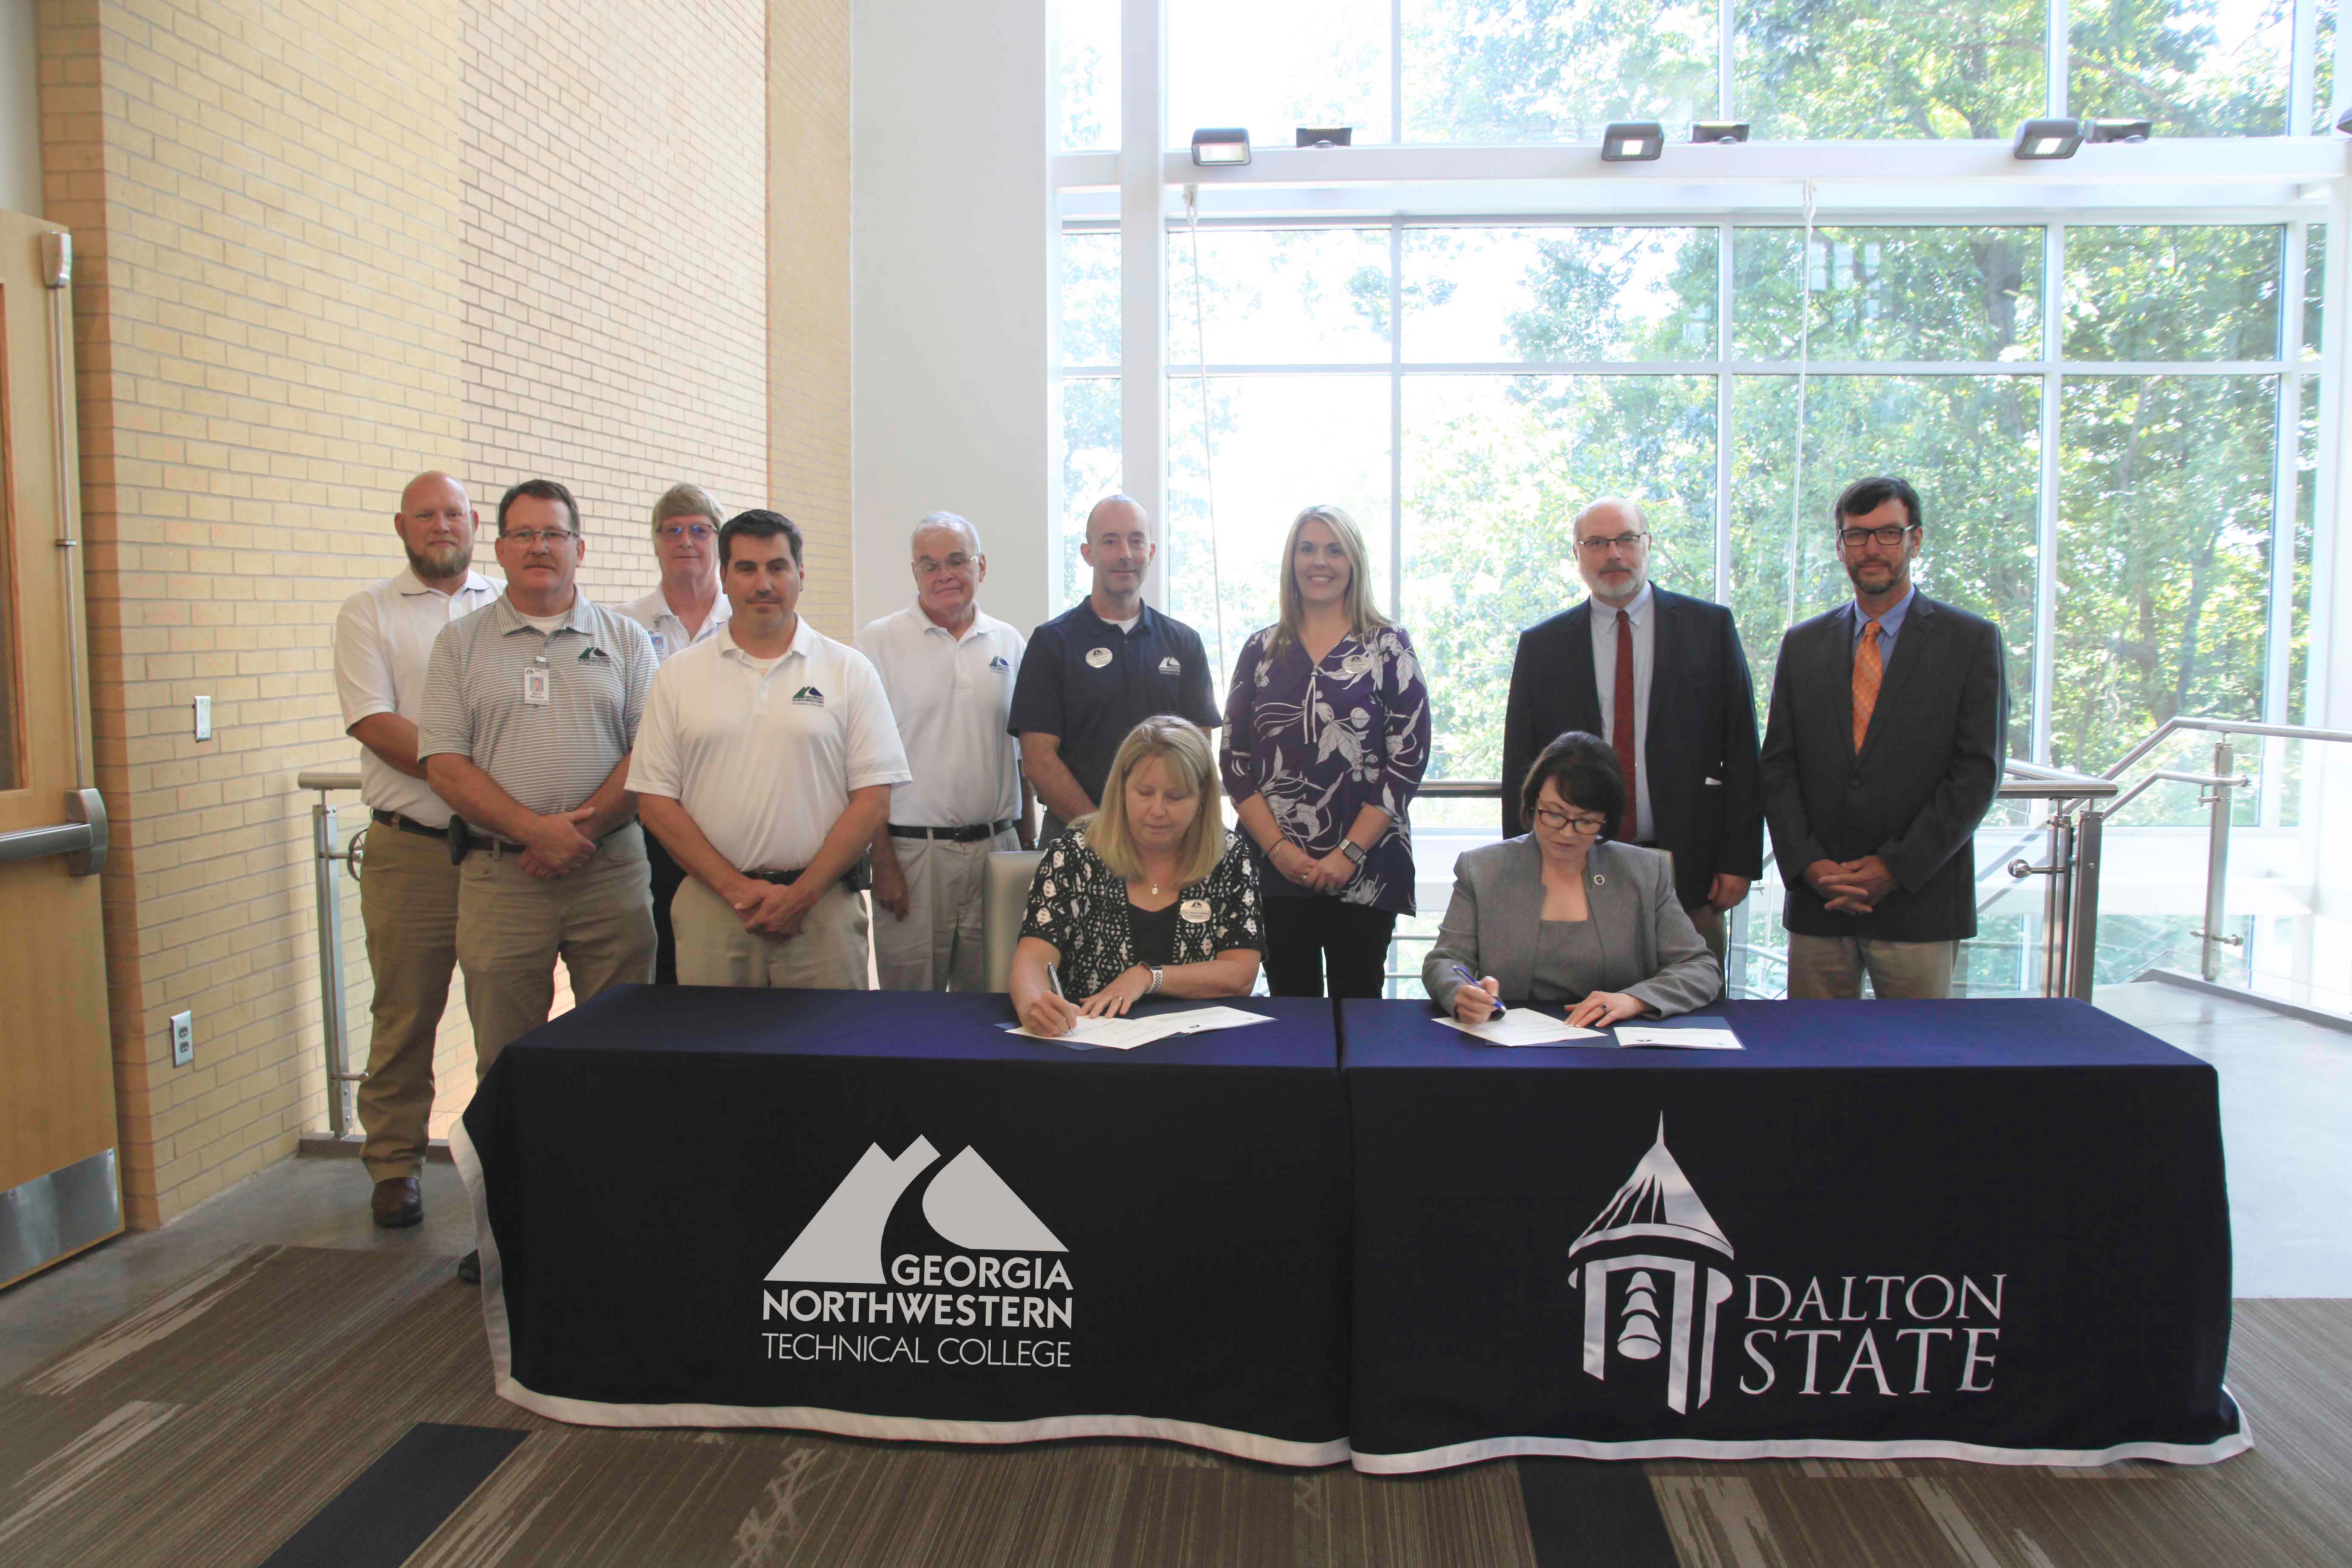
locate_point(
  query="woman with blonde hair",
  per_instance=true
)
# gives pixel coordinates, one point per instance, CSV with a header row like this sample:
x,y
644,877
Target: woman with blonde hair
x,y
1326,733
1150,895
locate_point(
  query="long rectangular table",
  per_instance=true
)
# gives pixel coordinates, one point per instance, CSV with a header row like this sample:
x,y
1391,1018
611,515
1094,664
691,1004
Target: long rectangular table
x,y
880,1215
1990,1230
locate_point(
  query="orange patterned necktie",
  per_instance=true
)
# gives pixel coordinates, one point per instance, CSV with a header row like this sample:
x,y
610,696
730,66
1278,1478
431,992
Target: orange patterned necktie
x,y
1867,671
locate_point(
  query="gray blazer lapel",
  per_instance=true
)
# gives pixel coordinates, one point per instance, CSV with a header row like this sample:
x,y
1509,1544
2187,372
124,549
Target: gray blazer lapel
x,y
1614,896
1518,918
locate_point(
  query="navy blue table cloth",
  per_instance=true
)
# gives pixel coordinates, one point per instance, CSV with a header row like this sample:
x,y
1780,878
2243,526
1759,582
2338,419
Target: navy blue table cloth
x,y
1991,1230
879,1214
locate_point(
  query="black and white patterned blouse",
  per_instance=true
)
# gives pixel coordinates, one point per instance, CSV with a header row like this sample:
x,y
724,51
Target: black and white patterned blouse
x,y
1079,905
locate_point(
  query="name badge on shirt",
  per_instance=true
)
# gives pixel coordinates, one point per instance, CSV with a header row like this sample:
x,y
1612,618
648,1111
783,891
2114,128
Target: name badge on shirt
x,y
661,645
1196,910
534,684
1099,656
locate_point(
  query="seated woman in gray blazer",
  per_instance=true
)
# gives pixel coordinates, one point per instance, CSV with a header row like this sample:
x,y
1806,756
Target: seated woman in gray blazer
x,y
1564,915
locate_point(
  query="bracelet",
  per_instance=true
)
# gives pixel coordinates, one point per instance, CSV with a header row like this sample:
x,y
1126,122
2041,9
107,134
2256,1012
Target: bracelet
x,y
1153,988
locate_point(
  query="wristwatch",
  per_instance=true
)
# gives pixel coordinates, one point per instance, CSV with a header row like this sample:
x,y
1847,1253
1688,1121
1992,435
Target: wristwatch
x,y
1153,988
1353,850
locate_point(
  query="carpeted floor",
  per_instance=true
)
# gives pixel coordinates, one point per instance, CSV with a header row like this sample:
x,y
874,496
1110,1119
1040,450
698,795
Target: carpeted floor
x,y
215,1423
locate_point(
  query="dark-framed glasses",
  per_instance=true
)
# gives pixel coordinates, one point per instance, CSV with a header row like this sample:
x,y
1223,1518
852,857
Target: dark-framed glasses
x,y
697,532
1597,545
527,537
1889,536
1559,821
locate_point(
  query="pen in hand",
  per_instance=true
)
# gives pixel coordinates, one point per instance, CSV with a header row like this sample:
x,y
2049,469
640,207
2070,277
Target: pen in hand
x,y
1467,979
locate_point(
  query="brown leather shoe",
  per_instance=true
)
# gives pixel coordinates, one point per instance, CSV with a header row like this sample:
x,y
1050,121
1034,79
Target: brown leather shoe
x,y
396,1202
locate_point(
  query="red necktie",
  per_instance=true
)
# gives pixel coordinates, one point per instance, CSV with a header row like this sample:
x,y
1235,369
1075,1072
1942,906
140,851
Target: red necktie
x,y
1621,722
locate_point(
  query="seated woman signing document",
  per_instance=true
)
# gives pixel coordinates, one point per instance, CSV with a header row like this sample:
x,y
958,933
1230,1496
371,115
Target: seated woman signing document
x,y
1563,915
1150,895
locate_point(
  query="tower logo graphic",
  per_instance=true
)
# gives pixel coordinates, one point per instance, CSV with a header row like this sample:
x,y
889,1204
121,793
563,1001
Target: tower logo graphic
x,y
967,1202
1646,1265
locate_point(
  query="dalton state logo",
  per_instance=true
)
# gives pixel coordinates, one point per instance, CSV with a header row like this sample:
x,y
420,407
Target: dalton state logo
x,y
966,1202
1646,1265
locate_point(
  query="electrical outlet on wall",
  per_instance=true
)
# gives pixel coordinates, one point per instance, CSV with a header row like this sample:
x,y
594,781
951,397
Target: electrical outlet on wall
x,y
183,1039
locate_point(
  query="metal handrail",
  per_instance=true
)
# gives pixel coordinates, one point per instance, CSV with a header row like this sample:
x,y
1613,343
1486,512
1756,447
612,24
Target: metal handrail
x,y
2222,726
341,1082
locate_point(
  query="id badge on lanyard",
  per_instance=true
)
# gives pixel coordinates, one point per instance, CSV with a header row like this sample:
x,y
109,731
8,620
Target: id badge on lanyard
x,y
534,682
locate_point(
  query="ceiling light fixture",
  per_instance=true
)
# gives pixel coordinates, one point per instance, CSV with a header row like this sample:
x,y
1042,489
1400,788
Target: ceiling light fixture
x,y
2038,140
1219,147
1632,142
1722,133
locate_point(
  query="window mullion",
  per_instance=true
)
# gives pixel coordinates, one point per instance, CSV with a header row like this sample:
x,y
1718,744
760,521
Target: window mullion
x,y
2045,531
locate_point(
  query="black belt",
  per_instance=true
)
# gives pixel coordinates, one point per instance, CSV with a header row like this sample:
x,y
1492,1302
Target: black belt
x,y
393,819
463,838
857,878
971,835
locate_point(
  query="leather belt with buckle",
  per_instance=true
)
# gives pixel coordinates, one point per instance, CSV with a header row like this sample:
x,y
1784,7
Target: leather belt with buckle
x,y
393,819
971,835
857,878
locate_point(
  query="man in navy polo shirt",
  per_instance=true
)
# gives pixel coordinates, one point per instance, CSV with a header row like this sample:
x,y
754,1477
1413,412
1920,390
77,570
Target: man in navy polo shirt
x,y
1094,673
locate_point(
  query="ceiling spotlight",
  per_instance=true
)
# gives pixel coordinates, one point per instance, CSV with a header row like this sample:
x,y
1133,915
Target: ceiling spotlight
x,y
1722,133
2117,129
2038,140
1326,135
1214,148
1632,142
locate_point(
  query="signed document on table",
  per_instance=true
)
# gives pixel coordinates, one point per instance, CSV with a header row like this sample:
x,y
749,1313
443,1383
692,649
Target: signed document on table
x,y
1524,1025
1126,1034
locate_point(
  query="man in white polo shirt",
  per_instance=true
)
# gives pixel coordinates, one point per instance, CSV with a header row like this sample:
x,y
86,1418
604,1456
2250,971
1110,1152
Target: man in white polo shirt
x,y
949,671
765,761
408,894
683,610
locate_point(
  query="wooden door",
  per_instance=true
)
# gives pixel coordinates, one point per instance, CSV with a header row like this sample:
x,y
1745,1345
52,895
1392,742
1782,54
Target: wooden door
x,y
60,1190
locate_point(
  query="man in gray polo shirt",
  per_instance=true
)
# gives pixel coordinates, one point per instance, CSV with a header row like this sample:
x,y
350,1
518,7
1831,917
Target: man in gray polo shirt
x,y
531,708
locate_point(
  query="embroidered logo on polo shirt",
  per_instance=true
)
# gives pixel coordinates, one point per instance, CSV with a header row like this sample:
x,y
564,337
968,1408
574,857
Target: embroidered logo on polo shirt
x,y
1169,666
1001,665
809,696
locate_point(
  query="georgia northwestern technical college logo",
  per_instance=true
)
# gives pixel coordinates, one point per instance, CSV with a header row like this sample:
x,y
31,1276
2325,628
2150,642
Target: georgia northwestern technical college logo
x,y
1653,1270
992,1297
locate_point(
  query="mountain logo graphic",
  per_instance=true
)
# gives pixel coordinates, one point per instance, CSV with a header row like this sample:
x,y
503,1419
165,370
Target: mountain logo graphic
x,y
809,696
1653,1236
966,1202
1001,665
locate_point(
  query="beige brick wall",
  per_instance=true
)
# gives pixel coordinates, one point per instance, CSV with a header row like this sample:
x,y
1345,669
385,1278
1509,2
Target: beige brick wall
x,y
322,248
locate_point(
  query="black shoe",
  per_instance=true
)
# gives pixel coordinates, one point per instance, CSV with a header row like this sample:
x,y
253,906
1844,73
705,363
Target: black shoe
x,y
397,1203
469,1269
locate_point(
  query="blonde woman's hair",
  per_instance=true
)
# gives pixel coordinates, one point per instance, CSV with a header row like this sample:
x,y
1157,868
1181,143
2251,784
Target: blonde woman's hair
x,y
687,500
1363,616
1176,741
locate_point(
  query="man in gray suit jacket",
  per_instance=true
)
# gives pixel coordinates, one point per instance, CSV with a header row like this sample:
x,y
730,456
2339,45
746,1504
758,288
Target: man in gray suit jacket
x,y
1882,752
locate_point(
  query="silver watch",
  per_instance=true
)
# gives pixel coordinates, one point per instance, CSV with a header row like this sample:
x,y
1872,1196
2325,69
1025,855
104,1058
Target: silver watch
x,y
1153,988
1353,850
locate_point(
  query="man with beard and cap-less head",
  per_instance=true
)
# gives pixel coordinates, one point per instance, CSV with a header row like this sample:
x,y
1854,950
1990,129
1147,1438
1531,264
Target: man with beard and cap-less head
x,y
1099,669
1663,678
1883,750
408,897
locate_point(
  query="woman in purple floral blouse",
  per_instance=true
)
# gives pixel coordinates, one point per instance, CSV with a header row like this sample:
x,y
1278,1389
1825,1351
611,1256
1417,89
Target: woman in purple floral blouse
x,y
1327,733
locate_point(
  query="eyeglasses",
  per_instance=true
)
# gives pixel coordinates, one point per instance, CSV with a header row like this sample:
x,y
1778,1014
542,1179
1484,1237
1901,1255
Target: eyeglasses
x,y
1890,536
1561,822
956,562
697,532
1598,546
527,537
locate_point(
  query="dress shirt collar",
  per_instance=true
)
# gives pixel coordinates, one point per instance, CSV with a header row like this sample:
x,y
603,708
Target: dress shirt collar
x,y
979,623
409,584
581,619
1604,613
804,641
1890,625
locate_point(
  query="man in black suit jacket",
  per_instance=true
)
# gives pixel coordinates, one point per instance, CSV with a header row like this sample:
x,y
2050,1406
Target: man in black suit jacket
x,y
1692,787
1879,764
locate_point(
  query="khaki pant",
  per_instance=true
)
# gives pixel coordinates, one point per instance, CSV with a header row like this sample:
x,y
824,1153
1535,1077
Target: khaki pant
x,y
1829,968
713,948
511,928
408,904
940,942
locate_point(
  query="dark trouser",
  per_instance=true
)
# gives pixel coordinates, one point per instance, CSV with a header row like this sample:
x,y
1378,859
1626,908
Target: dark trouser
x,y
1306,938
668,875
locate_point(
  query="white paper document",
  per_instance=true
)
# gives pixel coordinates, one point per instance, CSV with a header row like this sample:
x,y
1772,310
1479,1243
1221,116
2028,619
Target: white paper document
x,y
1525,1027
1126,1034
1629,1036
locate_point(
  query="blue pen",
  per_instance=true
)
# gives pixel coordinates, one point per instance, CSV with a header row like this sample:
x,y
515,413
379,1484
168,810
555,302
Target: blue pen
x,y
1472,980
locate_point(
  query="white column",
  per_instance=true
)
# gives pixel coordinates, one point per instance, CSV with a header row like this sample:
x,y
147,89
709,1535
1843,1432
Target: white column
x,y
1143,268
953,252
